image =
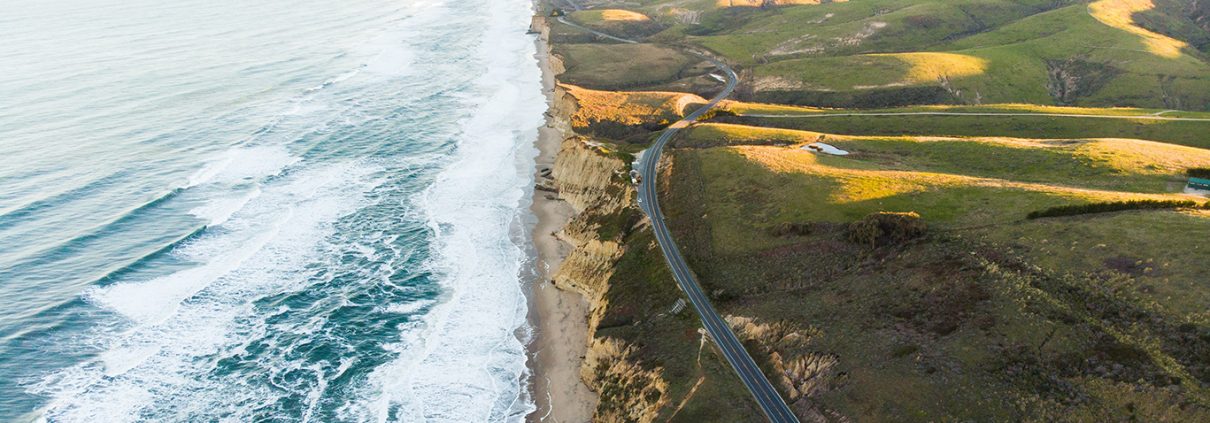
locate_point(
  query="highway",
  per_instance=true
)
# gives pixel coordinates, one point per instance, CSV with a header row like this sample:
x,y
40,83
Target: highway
x,y
770,402
766,396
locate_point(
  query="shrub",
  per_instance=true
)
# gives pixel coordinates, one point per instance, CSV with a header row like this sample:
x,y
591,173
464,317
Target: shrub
x,y
886,228
1198,172
861,99
924,21
786,229
1113,206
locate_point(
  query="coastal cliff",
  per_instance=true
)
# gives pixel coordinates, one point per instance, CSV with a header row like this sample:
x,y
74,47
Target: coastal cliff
x,y
643,350
594,182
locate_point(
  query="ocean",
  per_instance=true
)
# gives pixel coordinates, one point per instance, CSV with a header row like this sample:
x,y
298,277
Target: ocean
x,y
265,211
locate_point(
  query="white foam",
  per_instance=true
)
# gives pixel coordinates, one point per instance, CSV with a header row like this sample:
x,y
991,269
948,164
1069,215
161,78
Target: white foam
x,y
462,362
263,249
242,164
219,210
120,360
338,79
465,362
153,301
409,308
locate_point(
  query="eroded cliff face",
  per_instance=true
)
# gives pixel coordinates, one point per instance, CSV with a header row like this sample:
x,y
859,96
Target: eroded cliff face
x,y
587,179
629,392
596,184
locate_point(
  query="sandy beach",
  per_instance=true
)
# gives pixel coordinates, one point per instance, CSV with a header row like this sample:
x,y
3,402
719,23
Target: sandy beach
x,y
559,318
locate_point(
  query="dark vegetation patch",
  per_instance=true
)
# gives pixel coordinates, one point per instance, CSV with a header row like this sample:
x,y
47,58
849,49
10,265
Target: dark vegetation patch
x,y
1184,20
789,229
615,130
946,296
616,226
1198,172
1126,265
1073,78
860,99
1113,206
887,228
623,66
720,20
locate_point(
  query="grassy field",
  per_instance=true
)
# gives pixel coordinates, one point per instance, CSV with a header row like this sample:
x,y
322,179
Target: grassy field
x,y
1188,133
991,317
618,66
741,108
877,71
774,185
1111,164
967,51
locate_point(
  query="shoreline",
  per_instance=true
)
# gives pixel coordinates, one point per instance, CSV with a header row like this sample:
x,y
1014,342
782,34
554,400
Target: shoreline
x,y
558,317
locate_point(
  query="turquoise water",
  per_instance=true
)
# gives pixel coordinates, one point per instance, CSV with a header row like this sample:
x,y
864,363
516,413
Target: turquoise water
x,y
283,210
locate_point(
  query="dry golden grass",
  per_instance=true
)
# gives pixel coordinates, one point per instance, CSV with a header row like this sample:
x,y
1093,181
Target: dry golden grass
x,y
619,15
628,107
1107,164
1069,110
930,67
859,185
1143,157
719,134
743,108
723,4
1120,14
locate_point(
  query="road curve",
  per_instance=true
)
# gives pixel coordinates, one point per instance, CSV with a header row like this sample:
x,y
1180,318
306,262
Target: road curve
x,y
771,403
564,21
766,396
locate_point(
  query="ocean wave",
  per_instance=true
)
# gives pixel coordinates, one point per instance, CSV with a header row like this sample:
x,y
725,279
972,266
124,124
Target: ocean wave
x,y
346,267
242,164
465,361
157,363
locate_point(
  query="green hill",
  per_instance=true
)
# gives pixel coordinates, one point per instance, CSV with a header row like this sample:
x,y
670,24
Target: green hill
x,y
1135,53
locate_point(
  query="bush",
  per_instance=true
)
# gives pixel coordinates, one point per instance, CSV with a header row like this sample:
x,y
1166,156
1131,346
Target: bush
x,y
886,228
1108,207
863,99
786,229
1198,172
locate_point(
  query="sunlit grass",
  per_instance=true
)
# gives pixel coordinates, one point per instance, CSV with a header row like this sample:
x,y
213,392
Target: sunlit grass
x,y
1120,14
741,108
930,67
628,107
1104,164
870,184
608,15
723,4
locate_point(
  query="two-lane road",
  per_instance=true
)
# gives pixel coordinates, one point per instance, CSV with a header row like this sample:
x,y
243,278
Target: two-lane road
x,y
762,390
